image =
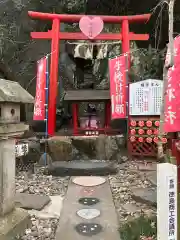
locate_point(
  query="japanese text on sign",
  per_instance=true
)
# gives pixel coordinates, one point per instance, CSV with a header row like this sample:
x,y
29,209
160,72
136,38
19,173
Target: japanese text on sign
x,y
117,72
172,113
21,150
171,123
172,213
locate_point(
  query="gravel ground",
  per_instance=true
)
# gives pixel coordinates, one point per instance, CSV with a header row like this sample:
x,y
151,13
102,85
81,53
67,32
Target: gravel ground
x,y
42,229
129,177
121,185
41,184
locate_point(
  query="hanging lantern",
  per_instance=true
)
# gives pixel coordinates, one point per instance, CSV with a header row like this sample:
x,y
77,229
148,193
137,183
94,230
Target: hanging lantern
x,y
157,123
133,131
149,140
140,139
149,123
155,139
156,131
164,140
149,132
133,123
141,123
132,139
141,131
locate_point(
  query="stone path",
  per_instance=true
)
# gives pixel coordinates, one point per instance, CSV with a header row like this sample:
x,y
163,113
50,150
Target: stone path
x,y
74,227
124,185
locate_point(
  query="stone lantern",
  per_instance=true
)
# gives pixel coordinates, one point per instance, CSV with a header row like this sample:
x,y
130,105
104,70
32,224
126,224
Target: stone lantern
x,y
13,221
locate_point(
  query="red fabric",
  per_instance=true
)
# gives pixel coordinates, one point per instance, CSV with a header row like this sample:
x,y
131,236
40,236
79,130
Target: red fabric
x,y
118,91
172,99
39,105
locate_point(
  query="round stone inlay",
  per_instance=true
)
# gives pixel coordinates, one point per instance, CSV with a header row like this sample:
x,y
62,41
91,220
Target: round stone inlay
x,y
88,214
89,181
88,229
89,201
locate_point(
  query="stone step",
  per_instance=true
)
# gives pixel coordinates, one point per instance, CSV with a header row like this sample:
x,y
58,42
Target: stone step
x,y
152,177
31,201
80,167
145,195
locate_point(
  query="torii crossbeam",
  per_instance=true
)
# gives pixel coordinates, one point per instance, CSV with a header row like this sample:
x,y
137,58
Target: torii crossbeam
x,y
55,35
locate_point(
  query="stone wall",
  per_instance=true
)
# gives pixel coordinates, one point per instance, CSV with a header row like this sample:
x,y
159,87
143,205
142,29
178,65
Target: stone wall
x,y
86,148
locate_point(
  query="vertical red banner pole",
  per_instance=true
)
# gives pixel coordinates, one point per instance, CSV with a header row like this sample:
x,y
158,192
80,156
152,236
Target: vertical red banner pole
x,y
126,50
53,77
106,115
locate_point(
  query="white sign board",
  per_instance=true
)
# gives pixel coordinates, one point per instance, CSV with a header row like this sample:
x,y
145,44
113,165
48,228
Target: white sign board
x,y
166,201
21,149
145,97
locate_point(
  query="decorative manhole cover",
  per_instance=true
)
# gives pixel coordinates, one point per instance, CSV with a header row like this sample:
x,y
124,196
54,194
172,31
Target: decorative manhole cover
x,y
89,201
89,181
88,229
88,213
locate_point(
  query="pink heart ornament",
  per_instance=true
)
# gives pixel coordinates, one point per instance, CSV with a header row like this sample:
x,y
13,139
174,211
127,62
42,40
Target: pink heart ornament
x,y
91,27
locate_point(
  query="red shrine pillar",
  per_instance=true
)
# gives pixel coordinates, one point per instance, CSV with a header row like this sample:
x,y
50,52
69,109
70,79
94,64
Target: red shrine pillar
x,y
126,49
125,39
107,114
53,76
75,118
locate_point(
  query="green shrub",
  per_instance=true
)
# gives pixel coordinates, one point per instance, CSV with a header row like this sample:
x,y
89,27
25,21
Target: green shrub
x,y
139,227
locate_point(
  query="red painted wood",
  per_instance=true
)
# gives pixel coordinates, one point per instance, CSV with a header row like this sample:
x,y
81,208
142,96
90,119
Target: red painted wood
x,y
53,77
75,117
143,148
126,39
76,18
107,114
81,36
126,50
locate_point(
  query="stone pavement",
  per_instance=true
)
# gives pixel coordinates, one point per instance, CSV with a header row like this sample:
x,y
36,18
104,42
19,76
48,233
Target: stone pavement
x,y
70,222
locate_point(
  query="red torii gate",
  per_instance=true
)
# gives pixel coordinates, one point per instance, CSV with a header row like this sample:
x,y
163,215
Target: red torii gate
x,y
55,35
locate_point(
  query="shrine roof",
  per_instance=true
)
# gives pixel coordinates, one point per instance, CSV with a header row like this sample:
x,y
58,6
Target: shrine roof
x,y
11,91
87,95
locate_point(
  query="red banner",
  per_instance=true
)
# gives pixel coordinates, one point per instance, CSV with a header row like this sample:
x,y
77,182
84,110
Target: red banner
x,y
118,91
172,101
39,105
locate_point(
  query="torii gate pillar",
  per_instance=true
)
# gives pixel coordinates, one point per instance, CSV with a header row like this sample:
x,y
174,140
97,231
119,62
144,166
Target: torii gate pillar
x,y
53,76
